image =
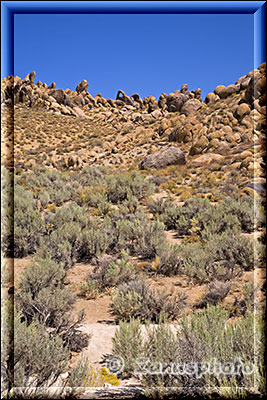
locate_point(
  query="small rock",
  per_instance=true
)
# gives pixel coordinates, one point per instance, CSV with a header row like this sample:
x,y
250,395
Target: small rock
x,y
156,114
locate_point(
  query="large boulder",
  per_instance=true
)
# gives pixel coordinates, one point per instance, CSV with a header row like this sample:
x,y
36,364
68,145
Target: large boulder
x,y
82,86
211,98
58,95
191,106
175,101
224,92
32,77
242,110
52,85
256,88
199,145
135,97
151,103
162,103
163,158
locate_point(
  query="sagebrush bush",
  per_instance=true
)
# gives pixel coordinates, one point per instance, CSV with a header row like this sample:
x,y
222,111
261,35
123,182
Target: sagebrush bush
x,y
28,223
135,299
248,210
43,297
161,206
71,237
148,238
125,185
170,261
128,343
88,289
111,272
222,257
204,337
48,185
42,294
39,359
84,375
216,292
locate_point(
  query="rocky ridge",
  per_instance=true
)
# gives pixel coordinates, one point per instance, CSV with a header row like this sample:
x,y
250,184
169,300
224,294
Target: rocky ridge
x,y
68,129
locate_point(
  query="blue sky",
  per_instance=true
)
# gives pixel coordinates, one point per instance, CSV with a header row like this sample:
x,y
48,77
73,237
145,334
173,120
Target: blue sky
x,y
145,54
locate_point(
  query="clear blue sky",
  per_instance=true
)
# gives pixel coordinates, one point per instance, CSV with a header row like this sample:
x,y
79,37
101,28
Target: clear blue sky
x,y
145,54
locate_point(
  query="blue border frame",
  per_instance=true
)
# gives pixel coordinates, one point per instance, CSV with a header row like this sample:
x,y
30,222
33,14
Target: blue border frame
x,y
10,8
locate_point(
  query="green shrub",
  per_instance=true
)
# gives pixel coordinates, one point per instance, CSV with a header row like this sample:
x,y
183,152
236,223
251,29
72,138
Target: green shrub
x,y
28,224
202,338
48,185
147,238
170,262
88,289
173,216
247,209
135,299
128,344
41,274
216,292
38,358
123,186
161,206
43,297
72,237
222,257
112,272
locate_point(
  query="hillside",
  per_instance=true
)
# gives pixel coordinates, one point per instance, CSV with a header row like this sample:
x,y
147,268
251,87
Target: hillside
x,y
145,211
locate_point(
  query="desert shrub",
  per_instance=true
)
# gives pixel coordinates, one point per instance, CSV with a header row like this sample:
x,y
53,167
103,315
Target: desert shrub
x,y
43,297
71,213
195,260
42,294
216,292
88,289
95,242
73,237
128,344
7,212
135,299
235,249
171,216
170,262
222,257
48,185
247,209
111,272
38,358
161,206
84,375
147,238
41,274
28,224
123,186
220,343
92,175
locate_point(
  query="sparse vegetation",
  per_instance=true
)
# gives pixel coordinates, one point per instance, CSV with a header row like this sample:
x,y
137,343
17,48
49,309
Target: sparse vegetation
x,y
135,299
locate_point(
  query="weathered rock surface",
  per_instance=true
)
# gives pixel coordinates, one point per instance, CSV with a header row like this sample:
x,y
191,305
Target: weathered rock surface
x,y
163,158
